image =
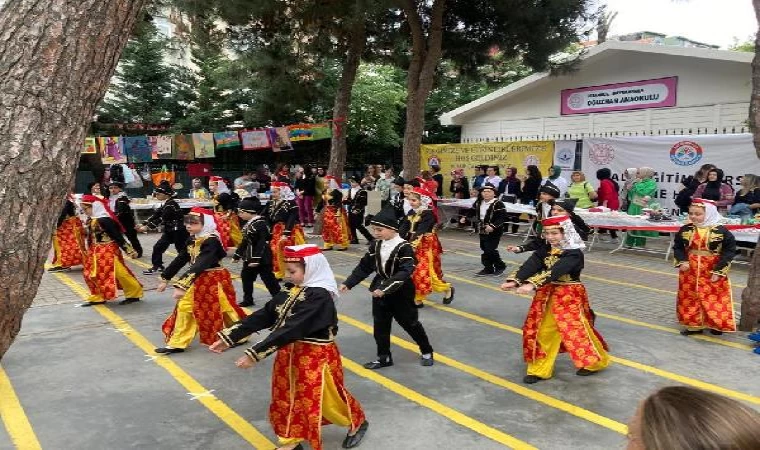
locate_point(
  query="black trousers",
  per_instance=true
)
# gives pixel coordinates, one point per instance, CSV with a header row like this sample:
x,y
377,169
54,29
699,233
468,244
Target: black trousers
x,y
249,274
356,222
489,244
399,306
131,234
178,238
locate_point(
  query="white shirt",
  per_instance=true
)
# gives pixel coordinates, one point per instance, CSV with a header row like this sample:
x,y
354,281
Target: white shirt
x,y
407,207
561,184
386,247
493,181
354,191
484,208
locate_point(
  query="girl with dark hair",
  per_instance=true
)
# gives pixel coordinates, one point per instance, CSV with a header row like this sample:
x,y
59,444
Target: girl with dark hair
x,y
306,189
690,185
717,190
530,185
607,195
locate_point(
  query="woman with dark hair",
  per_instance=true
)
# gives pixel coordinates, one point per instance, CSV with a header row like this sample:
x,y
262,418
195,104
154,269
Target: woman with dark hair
x,y
690,185
717,190
509,190
530,185
306,189
608,195
459,187
282,174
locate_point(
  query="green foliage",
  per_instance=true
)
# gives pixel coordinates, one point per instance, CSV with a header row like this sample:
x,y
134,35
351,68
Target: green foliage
x,y
746,46
376,103
140,91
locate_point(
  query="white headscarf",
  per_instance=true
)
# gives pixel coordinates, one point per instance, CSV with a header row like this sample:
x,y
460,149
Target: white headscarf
x,y
209,227
712,216
318,272
571,239
221,187
630,177
99,211
332,182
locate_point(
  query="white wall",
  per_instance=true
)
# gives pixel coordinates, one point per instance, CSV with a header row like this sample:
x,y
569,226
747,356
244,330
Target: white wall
x,y
711,94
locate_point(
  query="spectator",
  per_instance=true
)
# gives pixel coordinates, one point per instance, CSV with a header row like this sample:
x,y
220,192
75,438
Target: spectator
x,y
438,179
368,182
480,177
747,200
198,191
282,174
243,180
428,182
717,190
459,186
639,196
555,176
306,189
581,190
263,179
384,185
607,196
690,185
530,185
509,189
686,418
630,177
492,176
320,182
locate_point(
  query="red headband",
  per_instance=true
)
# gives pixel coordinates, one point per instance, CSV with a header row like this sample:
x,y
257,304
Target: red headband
x,y
702,201
297,255
554,221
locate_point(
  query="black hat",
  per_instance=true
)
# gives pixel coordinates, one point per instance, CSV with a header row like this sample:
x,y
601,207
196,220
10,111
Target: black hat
x,y
118,184
414,183
226,200
386,218
355,179
399,181
164,188
550,189
487,186
568,204
251,205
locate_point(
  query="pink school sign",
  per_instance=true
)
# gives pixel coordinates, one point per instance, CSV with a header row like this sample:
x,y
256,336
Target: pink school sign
x,y
658,93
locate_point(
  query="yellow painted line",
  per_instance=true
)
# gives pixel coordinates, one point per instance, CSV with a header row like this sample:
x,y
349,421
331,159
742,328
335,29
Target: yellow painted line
x,y
547,400
427,402
15,419
593,260
215,405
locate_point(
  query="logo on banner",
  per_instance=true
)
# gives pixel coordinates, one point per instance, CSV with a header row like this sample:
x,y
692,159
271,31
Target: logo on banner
x,y
566,156
434,161
686,153
531,160
601,154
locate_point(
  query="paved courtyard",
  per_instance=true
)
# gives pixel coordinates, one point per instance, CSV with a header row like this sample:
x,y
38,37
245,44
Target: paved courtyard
x,y
88,378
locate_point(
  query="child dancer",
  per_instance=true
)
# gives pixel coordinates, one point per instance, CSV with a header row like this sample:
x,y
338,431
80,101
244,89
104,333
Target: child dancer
x,y
104,268
119,204
392,289
204,293
68,239
488,216
357,205
170,216
282,214
563,207
224,209
418,228
559,315
703,250
254,250
303,323
335,227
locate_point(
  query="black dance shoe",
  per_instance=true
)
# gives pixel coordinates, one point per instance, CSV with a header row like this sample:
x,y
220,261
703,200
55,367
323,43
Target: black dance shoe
x,y
379,364
427,362
169,350
247,303
716,332
532,379
87,304
450,298
356,439
484,272
585,372
498,272
129,300
688,332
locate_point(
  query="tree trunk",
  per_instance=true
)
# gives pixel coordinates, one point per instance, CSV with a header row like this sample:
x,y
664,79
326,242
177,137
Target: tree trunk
x,y
751,294
356,42
56,59
426,54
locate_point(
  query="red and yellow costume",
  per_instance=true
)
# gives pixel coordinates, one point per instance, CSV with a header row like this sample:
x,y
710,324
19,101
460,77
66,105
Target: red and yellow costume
x,y
418,228
228,223
104,269
708,249
282,216
308,388
68,240
559,319
209,302
335,228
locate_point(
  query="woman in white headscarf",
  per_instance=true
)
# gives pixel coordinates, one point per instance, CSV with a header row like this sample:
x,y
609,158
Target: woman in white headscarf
x,y
560,314
282,214
204,293
308,390
104,268
703,250
630,177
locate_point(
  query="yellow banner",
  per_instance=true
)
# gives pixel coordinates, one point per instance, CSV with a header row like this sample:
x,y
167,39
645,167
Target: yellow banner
x,y
518,154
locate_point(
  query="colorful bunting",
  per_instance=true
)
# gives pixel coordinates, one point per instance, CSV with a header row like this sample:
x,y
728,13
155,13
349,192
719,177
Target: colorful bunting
x,y
184,150
161,146
90,146
281,142
226,139
255,139
309,132
112,150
